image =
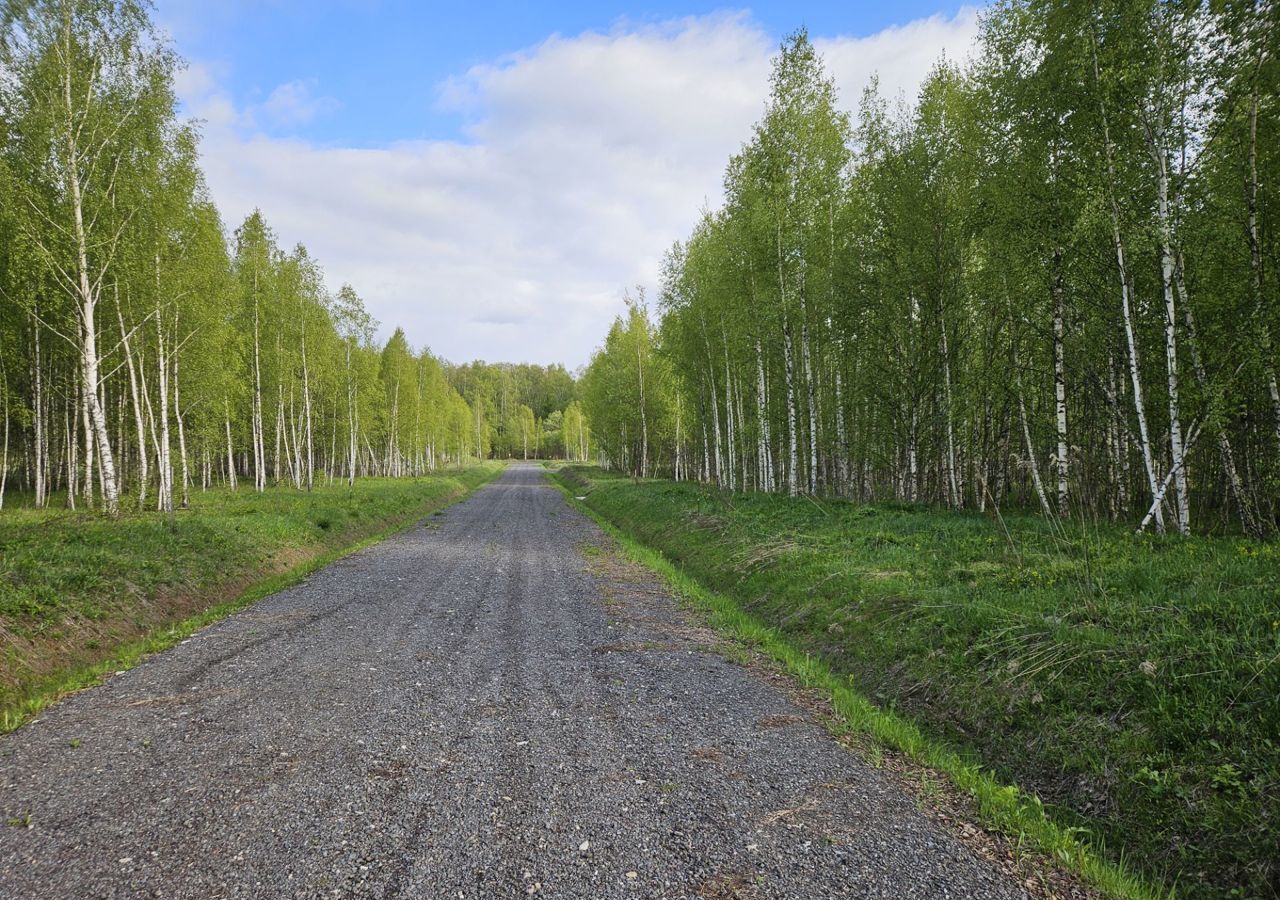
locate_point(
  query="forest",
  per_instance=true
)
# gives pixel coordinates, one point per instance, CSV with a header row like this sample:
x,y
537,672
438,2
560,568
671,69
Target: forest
x,y
1049,281
959,410
145,353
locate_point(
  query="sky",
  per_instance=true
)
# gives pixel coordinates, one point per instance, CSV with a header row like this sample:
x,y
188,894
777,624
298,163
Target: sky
x,y
491,177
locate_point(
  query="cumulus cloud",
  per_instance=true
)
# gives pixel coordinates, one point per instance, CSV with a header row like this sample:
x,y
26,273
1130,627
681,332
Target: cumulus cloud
x,y
899,56
582,159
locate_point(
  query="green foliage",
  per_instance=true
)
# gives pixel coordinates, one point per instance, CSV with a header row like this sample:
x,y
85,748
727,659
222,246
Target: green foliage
x,y
627,393
76,589
1020,816
1130,684
1044,284
140,356
519,408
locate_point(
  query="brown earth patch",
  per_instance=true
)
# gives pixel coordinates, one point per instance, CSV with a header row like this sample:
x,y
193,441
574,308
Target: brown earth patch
x,y
729,886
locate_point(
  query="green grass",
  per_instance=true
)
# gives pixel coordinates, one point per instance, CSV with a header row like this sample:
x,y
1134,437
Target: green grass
x,y
82,595
1130,686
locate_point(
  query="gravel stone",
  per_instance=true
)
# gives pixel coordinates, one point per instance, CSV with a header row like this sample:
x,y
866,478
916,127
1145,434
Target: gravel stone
x,y
478,707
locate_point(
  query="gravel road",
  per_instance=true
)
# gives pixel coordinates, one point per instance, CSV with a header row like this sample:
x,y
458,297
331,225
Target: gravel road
x,y
485,706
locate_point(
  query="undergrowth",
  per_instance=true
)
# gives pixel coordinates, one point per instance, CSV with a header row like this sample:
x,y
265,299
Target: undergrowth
x,y
82,595
1130,685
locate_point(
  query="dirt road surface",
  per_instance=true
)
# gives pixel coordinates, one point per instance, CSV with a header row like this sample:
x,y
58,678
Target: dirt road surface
x,y
484,706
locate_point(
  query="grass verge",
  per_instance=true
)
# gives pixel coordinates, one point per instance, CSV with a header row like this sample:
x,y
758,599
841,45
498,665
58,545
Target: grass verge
x,y
82,596
736,558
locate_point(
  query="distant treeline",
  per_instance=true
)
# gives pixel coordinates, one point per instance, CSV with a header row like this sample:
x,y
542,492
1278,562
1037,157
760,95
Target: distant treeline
x,y
1051,281
142,355
526,411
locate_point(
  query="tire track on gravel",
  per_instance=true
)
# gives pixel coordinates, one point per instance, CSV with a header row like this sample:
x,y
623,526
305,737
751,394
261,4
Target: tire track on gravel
x,y
469,710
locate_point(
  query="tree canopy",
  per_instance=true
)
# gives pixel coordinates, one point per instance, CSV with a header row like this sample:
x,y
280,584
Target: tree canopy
x,y
145,353
1047,282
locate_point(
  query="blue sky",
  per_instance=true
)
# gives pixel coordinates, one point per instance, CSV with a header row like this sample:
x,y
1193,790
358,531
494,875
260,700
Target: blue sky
x,y
491,177
379,61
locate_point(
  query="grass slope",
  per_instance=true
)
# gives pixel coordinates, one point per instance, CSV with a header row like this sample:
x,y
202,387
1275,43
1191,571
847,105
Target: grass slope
x,y
82,595
1133,685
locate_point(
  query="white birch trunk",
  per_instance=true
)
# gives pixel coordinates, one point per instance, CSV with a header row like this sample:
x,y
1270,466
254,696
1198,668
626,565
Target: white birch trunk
x,y
793,449
1248,519
352,443
913,458
40,430
259,443
740,418
87,304
144,473
718,446
1032,465
644,415
1165,228
1060,381
762,416
1163,487
69,446
953,484
842,434
88,451
729,414
164,461
811,390
231,456
293,441
1144,434
679,440
182,437
306,405
277,465
793,487
913,454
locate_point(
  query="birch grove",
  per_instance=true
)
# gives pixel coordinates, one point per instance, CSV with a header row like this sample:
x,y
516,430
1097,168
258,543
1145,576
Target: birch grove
x,y
1049,282
143,355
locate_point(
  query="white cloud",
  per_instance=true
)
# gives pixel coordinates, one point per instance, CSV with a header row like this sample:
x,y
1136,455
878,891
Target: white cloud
x,y
293,103
584,158
289,104
900,56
